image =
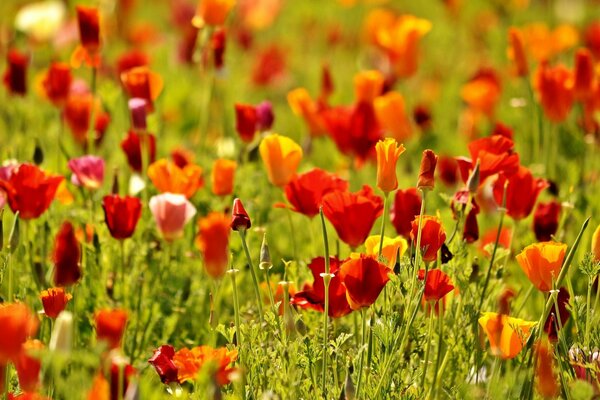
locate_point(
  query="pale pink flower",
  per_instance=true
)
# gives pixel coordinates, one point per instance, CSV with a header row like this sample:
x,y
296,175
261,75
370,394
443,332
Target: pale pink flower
x,y
171,212
88,171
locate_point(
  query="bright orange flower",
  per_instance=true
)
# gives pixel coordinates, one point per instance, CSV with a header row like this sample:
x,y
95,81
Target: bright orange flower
x,y
54,301
212,12
388,152
596,244
190,362
507,335
281,156
368,85
391,115
304,106
364,278
29,365
100,389
433,236
392,248
223,176
482,92
168,177
546,381
213,242
110,326
77,114
17,324
555,91
542,262
516,52
544,44
142,83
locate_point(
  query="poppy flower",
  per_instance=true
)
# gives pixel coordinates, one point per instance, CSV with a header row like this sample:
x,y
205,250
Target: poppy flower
x,y
121,214
489,238
110,326
29,365
368,85
168,177
364,278
57,83
212,12
17,322
516,52
552,325
388,152
264,116
584,75
88,20
77,114
437,285
555,91
246,119
100,389
239,217
522,192
190,362
138,114
269,65
433,236
427,170
448,170
223,176
281,157
162,361
131,59
308,109
171,212
121,373
591,38
305,191
132,147
213,242
542,263
595,247
66,256
544,44
313,296
495,154
391,114
391,249
545,220
353,214
182,157
54,301
218,42
482,92
406,206
30,190
507,335
142,83
88,171
546,380
15,77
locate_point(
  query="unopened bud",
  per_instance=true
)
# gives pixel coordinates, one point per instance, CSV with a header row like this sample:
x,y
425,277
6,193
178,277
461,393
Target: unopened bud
x,y
62,335
38,153
115,182
137,109
427,171
473,181
265,255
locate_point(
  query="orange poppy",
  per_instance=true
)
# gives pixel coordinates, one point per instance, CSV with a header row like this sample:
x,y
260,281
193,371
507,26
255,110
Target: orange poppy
x,y
482,92
17,323
190,362
304,106
213,242
223,176
142,83
168,177
542,263
110,326
368,85
54,301
281,157
29,365
433,236
555,91
364,278
212,12
516,52
388,152
391,115
507,335
546,380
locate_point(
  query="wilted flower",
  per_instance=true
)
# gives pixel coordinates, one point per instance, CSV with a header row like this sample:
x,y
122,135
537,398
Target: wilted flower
x,y
427,170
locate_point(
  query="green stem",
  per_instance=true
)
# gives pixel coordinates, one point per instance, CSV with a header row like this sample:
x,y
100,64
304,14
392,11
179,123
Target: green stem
x,y
383,218
586,342
326,280
428,348
271,300
363,312
439,352
242,233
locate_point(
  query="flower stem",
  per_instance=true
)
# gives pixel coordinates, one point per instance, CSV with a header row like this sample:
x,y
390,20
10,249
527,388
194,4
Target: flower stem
x,y
363,312
236,311
586,342
382,232
242,233
427,349
326,280
271,300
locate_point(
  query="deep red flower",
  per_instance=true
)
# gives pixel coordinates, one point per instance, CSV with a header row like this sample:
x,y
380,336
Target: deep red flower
x,y
57,83
131,59
551,324
239,217
364,278
305,191
438,284
269,66
30,191
132,146
29,365
503,130
245,121
15,77
110,326
545,220
448,170
406,206
66,256
218,43
495,154
433,236
555,90
313,296
521,193
77,113
353,214
471,229
88,19
162,361
592,38
121,215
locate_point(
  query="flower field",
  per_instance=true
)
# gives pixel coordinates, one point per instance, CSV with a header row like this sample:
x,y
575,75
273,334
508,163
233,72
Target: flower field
x,y
299,199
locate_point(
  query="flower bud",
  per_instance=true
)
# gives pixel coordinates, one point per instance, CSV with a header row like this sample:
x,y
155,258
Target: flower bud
x,y
264,116
265,255
239,217
473,181
427,170
38,153
137,109
62,334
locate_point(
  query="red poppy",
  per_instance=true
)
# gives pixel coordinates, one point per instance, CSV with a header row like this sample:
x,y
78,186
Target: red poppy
x,y
521,193
433,236
218,42
437,285
66,256
503,130
592,38
30,191
239,217
305,191
551,325
545,220
110,326
54,301
555,91
162,361
471,229
246,119
427,170
364,278
88,19
448,170
132,146
495,154
29,366
353,214
131,59
15,77
77,114
116,372
489,238
583,82
406,206
182,157
269,66
142,83
121,215
17,323
459,204
313,296
57,83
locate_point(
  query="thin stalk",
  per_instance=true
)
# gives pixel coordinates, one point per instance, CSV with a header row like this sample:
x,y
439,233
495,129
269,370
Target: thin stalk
x,y
586,342
271,300
418,247
242,233
293,233
363,313
326,280
122,283
439,352
386,195
427,349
